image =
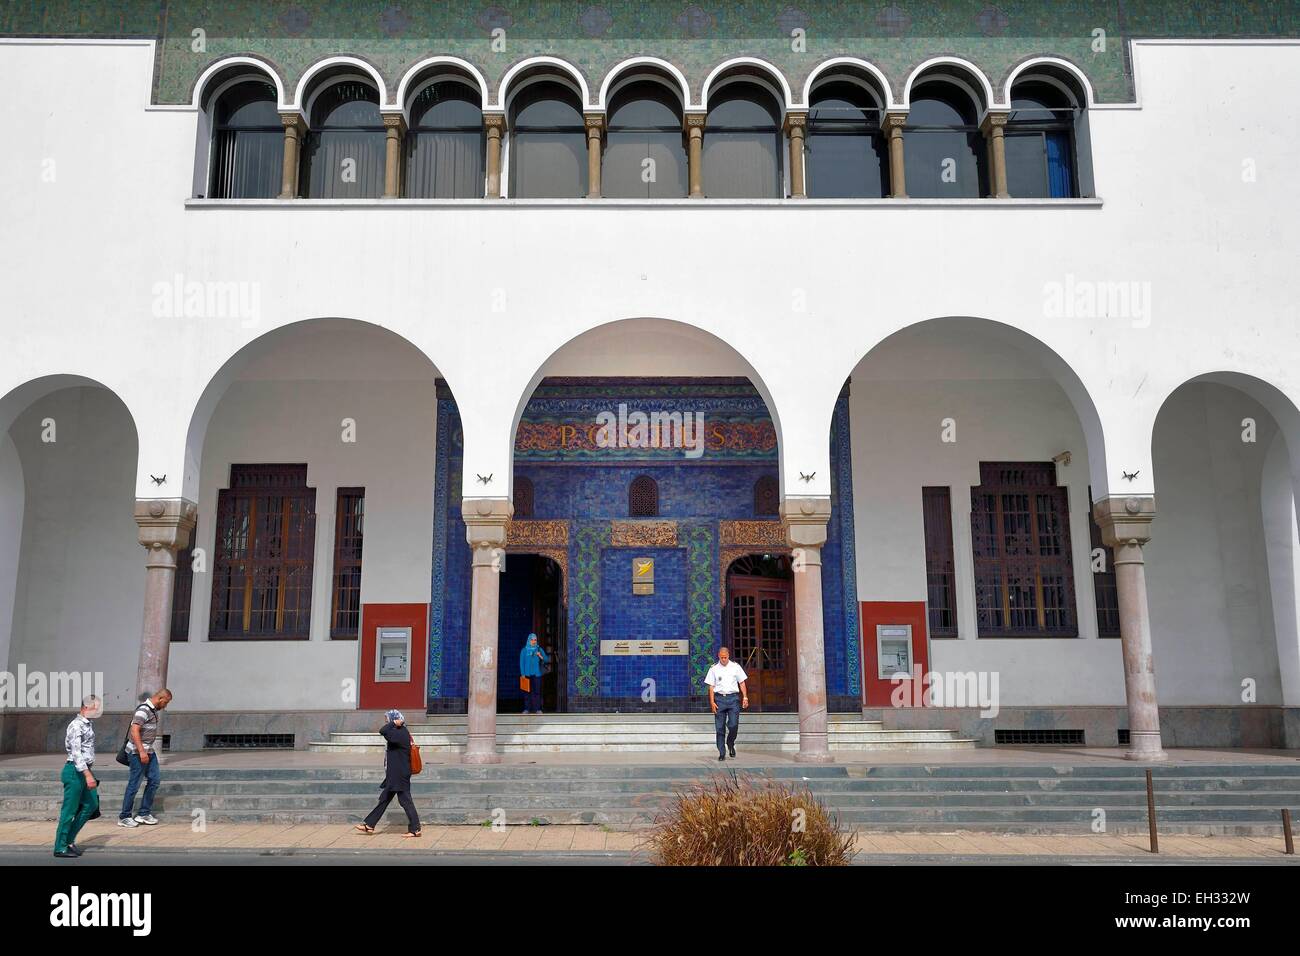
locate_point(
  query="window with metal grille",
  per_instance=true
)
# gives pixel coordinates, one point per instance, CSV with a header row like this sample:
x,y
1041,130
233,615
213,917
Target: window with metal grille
x,y
263,557
248,741
1020,533
345,606
1103,581
523,497
744,627
643,498
1050,738
940,576
767,496
183,589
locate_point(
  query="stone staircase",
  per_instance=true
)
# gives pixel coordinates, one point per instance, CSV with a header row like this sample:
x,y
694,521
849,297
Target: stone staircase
x,y
1232,799
679,733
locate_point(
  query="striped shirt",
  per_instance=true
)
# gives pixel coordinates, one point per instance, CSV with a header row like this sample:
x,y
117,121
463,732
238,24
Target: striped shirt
x,y
146,718
80,743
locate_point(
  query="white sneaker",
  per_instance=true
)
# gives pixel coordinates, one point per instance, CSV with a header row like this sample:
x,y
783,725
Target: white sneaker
x,y
127,822
149,821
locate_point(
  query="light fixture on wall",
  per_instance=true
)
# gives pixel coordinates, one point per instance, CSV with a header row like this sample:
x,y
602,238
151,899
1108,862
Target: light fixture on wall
x,y
1062,459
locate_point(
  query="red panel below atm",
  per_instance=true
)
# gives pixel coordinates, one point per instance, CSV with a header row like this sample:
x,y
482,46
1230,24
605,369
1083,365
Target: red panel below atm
x,y
877,692
408,696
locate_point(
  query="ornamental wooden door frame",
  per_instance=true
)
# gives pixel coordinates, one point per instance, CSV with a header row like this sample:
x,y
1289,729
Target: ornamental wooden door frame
x,y
759,628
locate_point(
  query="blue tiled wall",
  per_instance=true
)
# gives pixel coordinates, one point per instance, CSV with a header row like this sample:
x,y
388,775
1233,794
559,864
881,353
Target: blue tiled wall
x,y
658,616
696,493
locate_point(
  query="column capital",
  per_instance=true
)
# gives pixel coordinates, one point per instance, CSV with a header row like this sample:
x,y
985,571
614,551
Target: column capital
x,y
293,121
486,521
893,121
692,121
805,521
165,523
494,121
593,121
994,121
796,120
1125,520
395,121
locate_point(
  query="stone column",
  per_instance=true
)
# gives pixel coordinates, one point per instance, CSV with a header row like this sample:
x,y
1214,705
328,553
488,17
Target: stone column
x,y
595,123
486,520
994,127
165,528
795,125
494,125
805,531
1126,527
694,123
394,130
294,129
892,126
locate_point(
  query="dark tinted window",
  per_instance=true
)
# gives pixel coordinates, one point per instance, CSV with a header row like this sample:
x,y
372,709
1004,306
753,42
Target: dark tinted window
x,y
548,144
1040,143
846,155
344,155
445,145
247,143
742,144
645,156
944,149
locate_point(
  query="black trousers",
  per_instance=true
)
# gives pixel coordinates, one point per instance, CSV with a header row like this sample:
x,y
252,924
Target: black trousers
x,y
404,798
533,699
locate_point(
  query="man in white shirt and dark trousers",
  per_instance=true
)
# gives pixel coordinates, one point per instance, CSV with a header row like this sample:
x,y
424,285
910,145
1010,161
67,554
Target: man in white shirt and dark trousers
x,y
727,695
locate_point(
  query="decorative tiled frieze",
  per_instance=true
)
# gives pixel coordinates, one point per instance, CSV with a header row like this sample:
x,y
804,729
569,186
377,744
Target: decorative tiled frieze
x,y
752,534
695,37
525,533
643,534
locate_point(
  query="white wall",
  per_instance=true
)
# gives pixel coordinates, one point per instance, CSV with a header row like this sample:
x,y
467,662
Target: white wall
x,y
802,290
1005,409
287,406
1207,563
80,591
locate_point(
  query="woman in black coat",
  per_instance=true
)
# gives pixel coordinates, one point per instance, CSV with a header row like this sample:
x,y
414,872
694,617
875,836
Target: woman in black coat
x,y
397,776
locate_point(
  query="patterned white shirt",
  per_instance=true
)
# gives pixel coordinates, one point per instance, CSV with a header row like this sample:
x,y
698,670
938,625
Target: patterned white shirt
x,y
80,742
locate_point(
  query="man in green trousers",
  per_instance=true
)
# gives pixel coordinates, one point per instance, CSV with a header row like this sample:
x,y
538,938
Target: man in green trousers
x,y
80,788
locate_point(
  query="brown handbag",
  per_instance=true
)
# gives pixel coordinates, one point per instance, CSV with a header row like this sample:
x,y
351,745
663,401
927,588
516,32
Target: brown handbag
x,y
416,763
524,684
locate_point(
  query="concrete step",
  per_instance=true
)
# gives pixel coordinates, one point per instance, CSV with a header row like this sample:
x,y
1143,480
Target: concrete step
x,y
622,733
1235,799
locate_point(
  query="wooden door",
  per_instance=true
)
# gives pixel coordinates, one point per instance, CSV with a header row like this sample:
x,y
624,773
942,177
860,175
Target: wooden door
x,y
761,624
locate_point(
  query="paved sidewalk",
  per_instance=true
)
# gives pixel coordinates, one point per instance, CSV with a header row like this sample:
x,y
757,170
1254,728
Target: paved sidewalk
x,y
591,839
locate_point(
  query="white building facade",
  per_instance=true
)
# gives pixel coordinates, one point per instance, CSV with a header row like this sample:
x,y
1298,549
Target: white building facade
x,y
1054,437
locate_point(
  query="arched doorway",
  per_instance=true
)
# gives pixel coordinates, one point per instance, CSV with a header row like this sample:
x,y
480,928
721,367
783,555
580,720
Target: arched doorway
x,y
71,581
759,628
532,602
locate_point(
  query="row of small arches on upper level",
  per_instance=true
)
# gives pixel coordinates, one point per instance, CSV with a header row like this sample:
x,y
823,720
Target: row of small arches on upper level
x,y
638,144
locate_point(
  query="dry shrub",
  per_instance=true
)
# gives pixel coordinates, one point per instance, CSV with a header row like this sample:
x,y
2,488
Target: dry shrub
x,y
737,821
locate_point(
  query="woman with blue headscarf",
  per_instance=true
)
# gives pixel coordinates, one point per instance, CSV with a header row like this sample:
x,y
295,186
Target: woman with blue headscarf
x,y
532,662
397,776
